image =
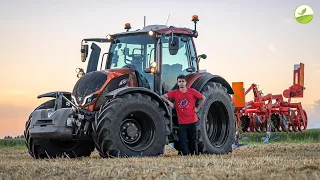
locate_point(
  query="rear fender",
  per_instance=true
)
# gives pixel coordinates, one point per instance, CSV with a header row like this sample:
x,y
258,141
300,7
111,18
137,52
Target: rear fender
x,y
197,81
127,90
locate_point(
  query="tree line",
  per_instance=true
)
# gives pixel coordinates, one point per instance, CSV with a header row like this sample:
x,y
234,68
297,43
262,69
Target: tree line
x,y
10,137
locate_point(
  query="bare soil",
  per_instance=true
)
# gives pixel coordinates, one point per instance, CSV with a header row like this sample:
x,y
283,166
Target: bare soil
x,y
272,161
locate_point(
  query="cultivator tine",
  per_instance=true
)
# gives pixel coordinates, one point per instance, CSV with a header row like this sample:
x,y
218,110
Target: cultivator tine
x,y
268,137
258,123
284,122
236,143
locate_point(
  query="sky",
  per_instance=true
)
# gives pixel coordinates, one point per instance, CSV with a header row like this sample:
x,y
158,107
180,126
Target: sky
x,y
248,41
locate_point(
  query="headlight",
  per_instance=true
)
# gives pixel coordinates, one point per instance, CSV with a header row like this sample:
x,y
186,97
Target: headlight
x,y
89,99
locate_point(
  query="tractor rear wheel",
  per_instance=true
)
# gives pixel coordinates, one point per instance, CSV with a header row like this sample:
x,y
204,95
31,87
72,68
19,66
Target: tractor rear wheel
x,y
217,120
52,148
130,125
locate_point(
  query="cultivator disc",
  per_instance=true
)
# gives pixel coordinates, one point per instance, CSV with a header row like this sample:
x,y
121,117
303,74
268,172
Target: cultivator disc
x,y
276,123
245,123
258,124
302,125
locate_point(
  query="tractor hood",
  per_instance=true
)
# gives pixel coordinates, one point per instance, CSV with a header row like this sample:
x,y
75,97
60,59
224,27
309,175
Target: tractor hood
x,y
118,72
89,86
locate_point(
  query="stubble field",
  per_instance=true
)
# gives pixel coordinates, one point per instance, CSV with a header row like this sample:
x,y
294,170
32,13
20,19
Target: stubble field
x,y
275,161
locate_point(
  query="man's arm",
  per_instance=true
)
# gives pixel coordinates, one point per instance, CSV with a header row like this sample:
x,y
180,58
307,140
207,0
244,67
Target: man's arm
x,y
199,96
165,98
203,99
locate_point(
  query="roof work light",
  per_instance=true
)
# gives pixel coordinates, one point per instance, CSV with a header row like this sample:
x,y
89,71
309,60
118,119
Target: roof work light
x,y
127,26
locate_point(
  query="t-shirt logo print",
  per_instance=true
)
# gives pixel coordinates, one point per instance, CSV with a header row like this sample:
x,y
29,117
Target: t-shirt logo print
x,y
184,104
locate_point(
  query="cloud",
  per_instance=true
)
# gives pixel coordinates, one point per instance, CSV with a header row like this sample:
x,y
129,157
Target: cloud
x,y
271,48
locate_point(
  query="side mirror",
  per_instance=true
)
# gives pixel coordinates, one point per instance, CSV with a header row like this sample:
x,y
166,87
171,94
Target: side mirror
x,y
203,56
174,45
152,68
84,52
80,72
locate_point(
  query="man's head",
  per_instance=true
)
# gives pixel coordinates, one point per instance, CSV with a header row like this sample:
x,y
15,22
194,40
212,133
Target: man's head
x,y
182,81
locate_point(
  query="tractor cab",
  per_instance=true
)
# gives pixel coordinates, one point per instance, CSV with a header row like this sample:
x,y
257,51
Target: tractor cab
x,y
157,53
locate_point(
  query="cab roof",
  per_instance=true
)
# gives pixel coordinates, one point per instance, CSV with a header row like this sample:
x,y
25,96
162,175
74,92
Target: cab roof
x,y
158,29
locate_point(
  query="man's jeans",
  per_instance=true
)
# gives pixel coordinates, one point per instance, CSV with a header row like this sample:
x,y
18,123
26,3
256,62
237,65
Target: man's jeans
x,y
188,138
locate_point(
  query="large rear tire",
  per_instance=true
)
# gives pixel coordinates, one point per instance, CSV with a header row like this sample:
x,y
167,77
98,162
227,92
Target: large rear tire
x,y
46,148
216,120
130,125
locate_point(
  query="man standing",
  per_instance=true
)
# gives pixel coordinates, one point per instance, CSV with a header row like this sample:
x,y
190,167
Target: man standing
x,y
185,100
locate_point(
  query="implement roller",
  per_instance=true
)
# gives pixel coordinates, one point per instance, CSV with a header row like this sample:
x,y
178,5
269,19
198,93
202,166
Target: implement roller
x,y
271,112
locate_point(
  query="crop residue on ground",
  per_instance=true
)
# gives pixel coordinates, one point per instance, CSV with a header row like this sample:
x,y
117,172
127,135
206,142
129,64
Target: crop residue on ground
x,y
292,161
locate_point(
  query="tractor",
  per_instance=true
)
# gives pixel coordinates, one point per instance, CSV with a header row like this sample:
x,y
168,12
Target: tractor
x,y
116,107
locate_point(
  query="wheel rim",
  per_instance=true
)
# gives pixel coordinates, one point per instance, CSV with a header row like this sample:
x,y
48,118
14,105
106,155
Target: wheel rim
x,y
130,131
137,131
217,123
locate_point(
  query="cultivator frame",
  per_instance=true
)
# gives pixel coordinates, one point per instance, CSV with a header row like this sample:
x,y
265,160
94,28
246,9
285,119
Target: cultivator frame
x,y
271,113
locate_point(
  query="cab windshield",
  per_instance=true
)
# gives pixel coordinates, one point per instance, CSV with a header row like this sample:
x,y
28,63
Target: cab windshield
x,y
136,51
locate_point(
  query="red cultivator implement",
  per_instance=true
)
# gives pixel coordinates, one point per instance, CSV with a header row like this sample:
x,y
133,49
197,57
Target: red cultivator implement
x,y
271,113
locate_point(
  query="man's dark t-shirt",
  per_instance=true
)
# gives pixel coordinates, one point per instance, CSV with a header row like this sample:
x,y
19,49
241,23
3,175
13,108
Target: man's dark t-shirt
x,y
185,104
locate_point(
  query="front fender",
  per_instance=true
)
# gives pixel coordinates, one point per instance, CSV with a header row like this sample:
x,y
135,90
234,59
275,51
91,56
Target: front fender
x,y
59,101
142,90
53,94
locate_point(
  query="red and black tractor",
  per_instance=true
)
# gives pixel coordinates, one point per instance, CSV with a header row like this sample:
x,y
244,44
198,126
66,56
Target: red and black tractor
x,y
116,107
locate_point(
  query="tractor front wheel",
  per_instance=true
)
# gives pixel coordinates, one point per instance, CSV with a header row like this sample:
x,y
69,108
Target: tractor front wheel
x,y
130,125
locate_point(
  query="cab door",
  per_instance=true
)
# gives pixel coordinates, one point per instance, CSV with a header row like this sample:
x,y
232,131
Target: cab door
x,y
174,65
